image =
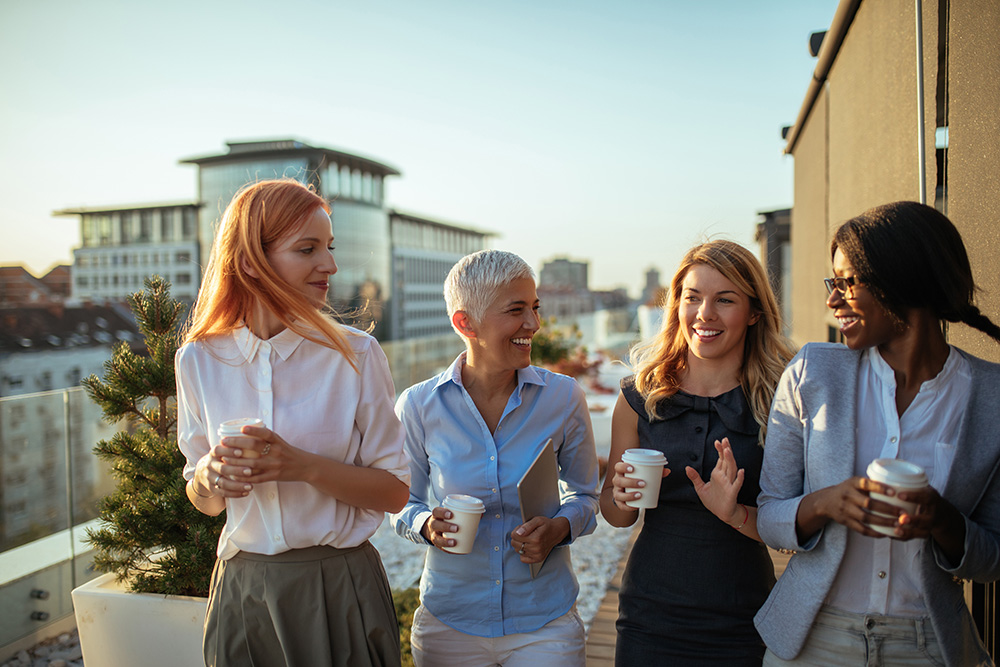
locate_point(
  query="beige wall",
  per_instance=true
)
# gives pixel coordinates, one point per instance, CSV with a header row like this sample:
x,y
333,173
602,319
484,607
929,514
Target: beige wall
x,y
858,147
809,237
873,110
974,155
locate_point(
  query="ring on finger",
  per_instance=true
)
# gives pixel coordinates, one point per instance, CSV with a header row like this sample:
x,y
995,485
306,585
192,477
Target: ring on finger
x,y
521,550
267,448
217,478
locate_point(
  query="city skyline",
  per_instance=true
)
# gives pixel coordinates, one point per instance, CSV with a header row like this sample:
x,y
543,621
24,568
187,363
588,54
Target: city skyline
x,y
570,129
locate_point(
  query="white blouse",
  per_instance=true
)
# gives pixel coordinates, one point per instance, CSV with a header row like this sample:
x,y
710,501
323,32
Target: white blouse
x,y
310,396
882,575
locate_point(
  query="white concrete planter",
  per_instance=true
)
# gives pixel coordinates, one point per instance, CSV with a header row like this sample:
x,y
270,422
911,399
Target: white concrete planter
x,y
121,629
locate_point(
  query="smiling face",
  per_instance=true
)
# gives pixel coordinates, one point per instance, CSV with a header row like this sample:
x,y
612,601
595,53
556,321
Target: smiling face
x,y
863,321
502,340
304,258
714,315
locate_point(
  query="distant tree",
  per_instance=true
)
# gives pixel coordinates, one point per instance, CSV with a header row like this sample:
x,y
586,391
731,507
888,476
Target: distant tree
x,y
559,349
152,537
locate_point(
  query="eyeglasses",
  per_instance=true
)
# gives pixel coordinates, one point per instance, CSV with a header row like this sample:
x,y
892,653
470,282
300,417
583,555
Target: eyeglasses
x,y
843,285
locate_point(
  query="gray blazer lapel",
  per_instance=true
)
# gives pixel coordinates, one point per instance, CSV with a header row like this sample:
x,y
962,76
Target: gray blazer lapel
x,y
975,453
832,414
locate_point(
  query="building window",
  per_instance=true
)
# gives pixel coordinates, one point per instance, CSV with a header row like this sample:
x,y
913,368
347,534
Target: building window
x,y
82,281
45,381
345,180
183,257
15,381
189,225
125,226
331,185
104,229
167,225
366,187
183,279
145,226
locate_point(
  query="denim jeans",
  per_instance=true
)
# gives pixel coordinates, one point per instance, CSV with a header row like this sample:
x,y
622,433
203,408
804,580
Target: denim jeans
x,y
842,638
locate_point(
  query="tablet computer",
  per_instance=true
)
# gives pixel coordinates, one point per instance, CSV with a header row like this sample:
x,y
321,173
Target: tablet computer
x,y
538,490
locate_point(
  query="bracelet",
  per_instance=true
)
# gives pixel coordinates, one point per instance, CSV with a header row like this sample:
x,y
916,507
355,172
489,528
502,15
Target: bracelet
x,y
746,517
194,487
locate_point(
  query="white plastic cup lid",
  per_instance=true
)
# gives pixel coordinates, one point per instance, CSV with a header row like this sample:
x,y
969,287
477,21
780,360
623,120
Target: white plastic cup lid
x,y
644,457
235,426
897,472
463,503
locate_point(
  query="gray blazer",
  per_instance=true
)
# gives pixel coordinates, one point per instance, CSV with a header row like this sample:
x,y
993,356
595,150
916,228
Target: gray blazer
x,y
810,446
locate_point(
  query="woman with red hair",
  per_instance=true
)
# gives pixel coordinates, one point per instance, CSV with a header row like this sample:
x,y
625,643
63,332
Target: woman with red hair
x,y
296,581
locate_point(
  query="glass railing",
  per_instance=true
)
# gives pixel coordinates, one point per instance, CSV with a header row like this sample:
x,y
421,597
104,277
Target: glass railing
x,y
50,485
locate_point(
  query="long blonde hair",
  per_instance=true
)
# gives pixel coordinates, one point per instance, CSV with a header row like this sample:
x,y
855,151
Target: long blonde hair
x,y
260,215
660,362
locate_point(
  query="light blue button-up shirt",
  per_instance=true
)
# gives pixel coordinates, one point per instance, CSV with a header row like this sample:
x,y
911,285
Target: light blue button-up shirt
x,y
490,592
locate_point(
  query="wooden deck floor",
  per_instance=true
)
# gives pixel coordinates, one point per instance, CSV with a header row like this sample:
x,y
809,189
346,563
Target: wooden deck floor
x,y
601,639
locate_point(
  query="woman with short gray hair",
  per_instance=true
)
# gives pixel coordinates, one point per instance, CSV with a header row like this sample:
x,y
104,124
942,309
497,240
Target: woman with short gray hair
x,y
474,430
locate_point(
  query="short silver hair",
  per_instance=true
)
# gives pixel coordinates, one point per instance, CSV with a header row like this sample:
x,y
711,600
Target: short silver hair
x,y
476,280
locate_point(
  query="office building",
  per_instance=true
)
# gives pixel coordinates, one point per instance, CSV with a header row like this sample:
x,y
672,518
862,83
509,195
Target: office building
x,y
123,245
391,264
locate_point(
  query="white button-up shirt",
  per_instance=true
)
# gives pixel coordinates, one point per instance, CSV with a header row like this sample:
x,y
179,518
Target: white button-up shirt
x,y
882,575
310,396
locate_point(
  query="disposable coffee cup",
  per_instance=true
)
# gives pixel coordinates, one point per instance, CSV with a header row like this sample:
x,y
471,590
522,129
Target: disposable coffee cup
x,y
465,513
901,476
647,465
234,427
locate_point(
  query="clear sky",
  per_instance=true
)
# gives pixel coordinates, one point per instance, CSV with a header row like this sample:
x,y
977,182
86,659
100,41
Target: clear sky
x,y
620,132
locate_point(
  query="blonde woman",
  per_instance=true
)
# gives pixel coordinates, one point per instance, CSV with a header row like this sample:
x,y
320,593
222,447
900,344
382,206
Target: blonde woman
x,y
296,582
700,394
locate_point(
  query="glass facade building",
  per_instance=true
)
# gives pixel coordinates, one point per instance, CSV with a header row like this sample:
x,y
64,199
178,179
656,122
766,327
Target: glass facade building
x,y
362,289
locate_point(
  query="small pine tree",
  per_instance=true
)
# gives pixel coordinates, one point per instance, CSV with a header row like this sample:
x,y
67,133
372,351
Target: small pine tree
x,y
152,538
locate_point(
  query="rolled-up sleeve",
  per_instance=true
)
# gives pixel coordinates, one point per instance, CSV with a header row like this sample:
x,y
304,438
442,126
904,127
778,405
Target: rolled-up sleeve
x,y
783,473
382,437
578,470
408,521
192,438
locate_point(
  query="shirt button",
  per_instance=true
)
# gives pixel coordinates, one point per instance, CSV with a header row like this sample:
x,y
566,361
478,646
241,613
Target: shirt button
x,y
693,456
493,458
498,516
267,412
277,538
271,495
881,574
493,490
496,548
498,582
892,439
698,429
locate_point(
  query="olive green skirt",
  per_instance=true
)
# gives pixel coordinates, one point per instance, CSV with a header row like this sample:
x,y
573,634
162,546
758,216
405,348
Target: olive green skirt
x,y
302,608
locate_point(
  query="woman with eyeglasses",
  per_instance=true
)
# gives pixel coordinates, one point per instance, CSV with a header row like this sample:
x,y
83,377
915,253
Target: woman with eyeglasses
x,y
852,595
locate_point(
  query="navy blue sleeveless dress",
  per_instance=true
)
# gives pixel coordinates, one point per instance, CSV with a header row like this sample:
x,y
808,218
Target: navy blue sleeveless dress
x,y
692,583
